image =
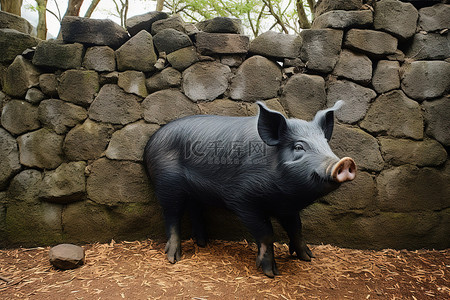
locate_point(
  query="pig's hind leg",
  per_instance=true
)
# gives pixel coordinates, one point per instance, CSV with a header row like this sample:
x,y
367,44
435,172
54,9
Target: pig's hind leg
x,y
293,227
198,222
173,204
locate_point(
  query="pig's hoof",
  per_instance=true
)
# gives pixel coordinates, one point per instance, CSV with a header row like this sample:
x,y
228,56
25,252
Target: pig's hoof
x,y
201,242
270,270
303,252
269,267
173,251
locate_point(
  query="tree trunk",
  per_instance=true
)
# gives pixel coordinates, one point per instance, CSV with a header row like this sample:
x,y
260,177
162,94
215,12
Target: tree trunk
x,y
73,9
312,7
42,24
12,6
159,5
91,8
302,18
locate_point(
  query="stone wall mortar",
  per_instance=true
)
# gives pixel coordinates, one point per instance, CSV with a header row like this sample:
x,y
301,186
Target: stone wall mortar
x,y
73,130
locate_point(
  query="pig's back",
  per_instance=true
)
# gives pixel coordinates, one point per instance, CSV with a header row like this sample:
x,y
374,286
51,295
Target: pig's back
x,y
212,154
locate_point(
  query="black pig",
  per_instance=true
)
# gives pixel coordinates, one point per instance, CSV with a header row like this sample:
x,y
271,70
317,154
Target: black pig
x,y
259,167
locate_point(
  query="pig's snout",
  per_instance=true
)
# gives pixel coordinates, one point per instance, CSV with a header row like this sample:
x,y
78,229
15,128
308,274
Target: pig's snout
x,y
344,170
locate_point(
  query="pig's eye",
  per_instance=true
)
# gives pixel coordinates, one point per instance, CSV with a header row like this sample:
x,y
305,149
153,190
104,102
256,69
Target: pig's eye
x,y
298,147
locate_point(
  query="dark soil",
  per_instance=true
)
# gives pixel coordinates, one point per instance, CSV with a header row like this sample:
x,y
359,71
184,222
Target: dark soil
x,y
225,270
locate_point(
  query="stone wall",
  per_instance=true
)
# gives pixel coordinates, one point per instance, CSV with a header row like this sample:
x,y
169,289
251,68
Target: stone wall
x,y
77,113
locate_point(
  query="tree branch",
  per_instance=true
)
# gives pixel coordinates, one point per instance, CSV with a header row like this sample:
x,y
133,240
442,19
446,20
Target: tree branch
x,y
302,18
277,18
91,8
312,7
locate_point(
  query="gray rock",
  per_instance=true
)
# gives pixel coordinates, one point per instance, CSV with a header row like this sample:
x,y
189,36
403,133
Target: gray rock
x,y
19,117
183,58
221,43
49,84
86,221
129,142
402,119
275,44
362,189
357,99
137,54
253,109
100,59
170,40
109,78
323,222
293,62
354,66
411,230
35,223
304,95
3,99
112,182
205,80
429,46
371,42
34,95
165,79
232,60
12,21
113,105
321,47
64,185
20,76
397,56
341,19
174,22
25,187
9,156
257,78
405,187
78,86
437,120
422,153
41,149
98,32
56,54
423,80
59,115
13,43
221,25
359,145
224,107
144,22
395,17
164,106
87,141
323,6
66,256
386,76
133,82
434,17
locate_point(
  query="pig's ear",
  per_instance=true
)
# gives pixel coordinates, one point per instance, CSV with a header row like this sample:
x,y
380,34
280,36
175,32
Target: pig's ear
x,y
271,125
325,119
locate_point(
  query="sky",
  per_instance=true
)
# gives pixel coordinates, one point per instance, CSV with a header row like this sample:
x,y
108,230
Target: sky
x,y
105,9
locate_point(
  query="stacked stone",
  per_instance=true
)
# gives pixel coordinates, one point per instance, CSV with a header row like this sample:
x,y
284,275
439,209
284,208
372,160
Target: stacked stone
x,y
77,114
394,123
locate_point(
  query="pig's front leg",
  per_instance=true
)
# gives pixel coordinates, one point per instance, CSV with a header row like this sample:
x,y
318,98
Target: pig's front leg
x,y
293,226
260,227
265,258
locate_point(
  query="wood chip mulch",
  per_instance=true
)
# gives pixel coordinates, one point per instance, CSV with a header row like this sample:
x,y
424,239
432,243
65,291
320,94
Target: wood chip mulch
x,y
225,270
